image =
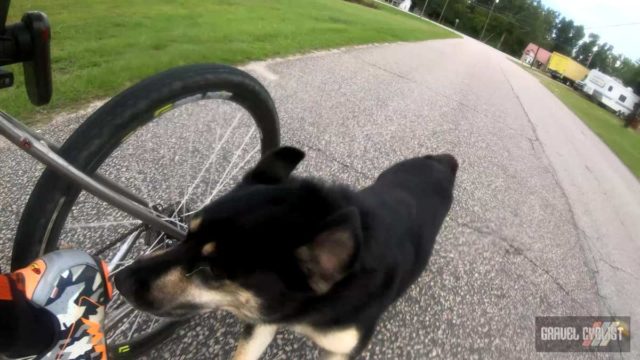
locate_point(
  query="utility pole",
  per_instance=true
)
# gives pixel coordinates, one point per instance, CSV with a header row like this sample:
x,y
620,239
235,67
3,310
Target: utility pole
x,y
443,10
501,40
535,57
488,17
424,7
590,58
595,48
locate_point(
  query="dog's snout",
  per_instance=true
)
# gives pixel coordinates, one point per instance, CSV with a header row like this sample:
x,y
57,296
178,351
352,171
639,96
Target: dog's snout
x,y
124,282
450,161
133,285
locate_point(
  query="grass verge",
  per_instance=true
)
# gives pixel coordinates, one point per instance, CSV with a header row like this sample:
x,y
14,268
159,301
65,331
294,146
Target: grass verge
x,y
100,47
625,143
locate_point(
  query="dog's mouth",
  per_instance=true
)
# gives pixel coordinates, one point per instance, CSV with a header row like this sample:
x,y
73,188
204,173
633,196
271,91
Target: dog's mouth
x,y
178,312
184,311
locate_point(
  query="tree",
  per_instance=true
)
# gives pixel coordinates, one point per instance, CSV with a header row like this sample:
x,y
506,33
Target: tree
x,y
585,50
628,71
603,58
633,78
566,36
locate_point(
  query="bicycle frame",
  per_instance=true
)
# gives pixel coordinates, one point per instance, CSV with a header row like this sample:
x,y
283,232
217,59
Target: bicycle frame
x,y
97,185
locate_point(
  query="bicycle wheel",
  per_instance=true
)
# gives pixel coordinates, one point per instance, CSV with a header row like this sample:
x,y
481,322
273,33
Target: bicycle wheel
x,y
177,140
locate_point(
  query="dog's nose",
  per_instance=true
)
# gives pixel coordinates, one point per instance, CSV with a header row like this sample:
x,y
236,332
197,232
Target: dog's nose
x,y
123,282
450,161
131,282
134,286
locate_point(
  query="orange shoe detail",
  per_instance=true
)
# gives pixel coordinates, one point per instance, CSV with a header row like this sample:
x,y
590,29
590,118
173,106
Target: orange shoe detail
x,y
97,337
105,272
30,277
5,289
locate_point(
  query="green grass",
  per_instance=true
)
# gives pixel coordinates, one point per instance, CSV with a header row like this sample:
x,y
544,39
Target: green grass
x,y
624,142
102,46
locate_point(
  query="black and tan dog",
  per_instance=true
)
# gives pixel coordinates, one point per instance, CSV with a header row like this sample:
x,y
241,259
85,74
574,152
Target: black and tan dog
x,y
283,251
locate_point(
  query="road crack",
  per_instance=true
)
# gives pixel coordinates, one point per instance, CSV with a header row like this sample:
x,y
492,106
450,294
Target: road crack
x,y
617,268
517,250
338,161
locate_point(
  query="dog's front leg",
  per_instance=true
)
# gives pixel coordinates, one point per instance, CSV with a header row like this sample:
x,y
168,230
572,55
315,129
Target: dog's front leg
x,y
254,340
338,344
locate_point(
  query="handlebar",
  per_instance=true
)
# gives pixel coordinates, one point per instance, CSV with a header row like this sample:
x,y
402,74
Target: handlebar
x,y
27,42
4,11
8,50
14,45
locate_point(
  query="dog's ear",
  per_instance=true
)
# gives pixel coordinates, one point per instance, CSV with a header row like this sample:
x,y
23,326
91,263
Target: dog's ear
x,y
275,166
331,254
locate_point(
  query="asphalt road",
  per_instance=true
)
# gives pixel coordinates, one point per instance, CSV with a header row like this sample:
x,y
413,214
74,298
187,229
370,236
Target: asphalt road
x,y
545,217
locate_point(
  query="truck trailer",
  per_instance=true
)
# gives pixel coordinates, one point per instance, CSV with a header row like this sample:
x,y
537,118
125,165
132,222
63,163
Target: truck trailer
x,y
565,69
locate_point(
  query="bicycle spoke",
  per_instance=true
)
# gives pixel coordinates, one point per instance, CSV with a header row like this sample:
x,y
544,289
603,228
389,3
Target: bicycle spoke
x,y
215,153
213,169
102,224
116,303
124,265
224,182
233,160
123,250
135,325
153,322
225,176
190,160
154,245
117,316
117,240
116,298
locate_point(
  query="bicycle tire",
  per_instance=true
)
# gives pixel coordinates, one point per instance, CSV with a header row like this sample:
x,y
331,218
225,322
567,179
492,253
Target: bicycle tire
x,y
99,136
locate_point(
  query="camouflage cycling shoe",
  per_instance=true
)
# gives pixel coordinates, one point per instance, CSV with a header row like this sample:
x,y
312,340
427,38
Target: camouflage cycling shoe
x,y
73,286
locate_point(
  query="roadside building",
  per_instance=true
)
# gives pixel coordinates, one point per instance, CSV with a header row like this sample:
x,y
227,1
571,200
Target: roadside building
x,y
532,51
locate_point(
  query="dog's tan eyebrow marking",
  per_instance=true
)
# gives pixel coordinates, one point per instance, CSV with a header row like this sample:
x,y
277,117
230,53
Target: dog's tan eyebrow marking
x,y
209,248
195,223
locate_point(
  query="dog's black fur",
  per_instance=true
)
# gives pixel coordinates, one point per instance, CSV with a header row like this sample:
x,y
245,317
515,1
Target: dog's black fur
x,y
312,254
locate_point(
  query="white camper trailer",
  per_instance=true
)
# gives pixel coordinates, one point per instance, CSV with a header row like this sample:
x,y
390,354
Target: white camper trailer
x,y
403,5
610,92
